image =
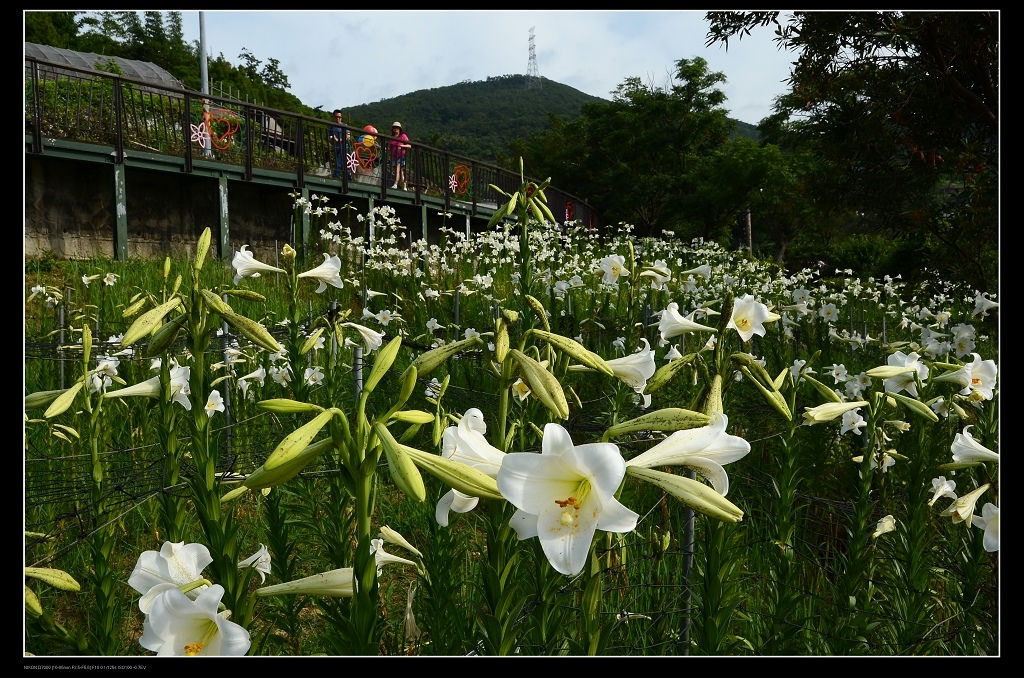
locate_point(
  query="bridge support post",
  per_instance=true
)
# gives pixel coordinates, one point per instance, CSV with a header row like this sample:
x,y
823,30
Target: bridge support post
x,y
120,214
222,218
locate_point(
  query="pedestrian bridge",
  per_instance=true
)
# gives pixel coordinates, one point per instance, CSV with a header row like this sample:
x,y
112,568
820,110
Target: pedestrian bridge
x,y
137,166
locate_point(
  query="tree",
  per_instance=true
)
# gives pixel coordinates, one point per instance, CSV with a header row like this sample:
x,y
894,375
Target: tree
x,y
57,29
273,76
902,108
640,157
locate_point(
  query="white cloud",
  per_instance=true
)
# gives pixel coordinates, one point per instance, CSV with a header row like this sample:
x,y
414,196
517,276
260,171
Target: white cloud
x,y
339,59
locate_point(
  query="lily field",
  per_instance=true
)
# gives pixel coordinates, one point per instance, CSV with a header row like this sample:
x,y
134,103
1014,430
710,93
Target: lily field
x,y
522,441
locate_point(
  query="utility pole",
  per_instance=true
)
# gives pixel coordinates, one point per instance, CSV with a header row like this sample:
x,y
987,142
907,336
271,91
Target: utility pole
x,y
532,74
204,77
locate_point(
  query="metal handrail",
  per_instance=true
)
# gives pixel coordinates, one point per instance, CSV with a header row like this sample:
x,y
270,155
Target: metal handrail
x,y
66,103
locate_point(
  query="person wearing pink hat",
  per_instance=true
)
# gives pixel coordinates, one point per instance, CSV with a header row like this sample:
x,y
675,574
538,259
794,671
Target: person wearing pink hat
x,y
399,147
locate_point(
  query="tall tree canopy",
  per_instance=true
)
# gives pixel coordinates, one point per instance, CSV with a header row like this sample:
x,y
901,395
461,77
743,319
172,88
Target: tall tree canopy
x,y
903,108
639,158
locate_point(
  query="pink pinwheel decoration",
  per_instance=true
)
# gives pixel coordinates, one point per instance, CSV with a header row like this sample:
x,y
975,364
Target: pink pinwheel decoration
x,y
453,183
199,134
352,162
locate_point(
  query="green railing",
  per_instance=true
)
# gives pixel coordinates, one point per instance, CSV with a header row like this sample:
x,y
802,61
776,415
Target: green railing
x,y
68,104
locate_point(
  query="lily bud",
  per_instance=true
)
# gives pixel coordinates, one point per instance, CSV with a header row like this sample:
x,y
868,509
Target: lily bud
x,y
287,406
829,411
338,583
696,495
889,371
915,406
403,470
668,419
297,441
575,350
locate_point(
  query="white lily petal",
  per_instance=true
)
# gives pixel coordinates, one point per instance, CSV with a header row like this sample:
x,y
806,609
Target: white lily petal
x,y
454,501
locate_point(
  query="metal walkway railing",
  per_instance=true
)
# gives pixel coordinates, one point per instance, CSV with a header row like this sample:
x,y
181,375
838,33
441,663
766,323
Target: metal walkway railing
x,y
75,112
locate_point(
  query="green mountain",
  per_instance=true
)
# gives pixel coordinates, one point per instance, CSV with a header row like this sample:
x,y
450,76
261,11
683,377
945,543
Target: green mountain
x,y
481,119
475,119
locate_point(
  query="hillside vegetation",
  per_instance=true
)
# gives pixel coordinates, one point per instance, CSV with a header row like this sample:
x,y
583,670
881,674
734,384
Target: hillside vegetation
x,y
482,119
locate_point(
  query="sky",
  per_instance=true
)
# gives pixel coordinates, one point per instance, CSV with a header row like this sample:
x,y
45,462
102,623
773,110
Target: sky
x,y
339,59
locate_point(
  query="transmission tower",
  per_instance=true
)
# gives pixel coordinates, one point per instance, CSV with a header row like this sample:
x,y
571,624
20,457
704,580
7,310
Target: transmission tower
x,y
532,74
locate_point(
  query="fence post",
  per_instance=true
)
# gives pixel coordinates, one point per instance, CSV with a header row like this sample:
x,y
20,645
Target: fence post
x,y
688,547
60,336
226,338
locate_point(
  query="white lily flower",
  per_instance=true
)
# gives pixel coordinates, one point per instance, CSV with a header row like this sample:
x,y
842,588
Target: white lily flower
x,y
966,450
659,274
886,524
259,560
521,390
612,267
673,353
382,557
748,317
989,521
978,378
150,388
705,449
800,309
852,421
327,273
634,370
962,509
215,403
672,324
906,381
453,501
174,565
982,305
178,626
466,443
942,488
313,376
246,265
703,271
564,495
372,339
257,375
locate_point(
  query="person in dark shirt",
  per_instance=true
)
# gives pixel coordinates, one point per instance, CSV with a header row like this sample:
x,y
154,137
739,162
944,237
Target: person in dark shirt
x,y
339,138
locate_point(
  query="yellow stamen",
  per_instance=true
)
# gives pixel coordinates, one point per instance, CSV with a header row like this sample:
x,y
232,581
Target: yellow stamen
x,y
573,503
193,649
